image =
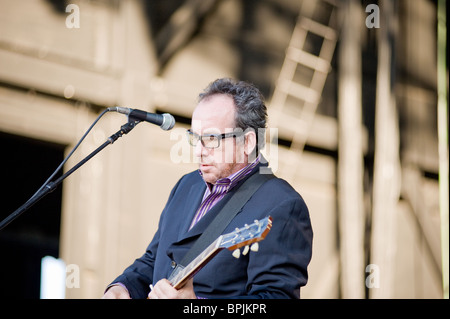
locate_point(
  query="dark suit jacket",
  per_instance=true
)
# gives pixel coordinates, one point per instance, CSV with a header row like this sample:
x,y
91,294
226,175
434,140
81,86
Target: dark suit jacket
x,y
277,270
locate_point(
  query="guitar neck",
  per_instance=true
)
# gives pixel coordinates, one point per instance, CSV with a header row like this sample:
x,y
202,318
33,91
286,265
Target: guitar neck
x,y
182,275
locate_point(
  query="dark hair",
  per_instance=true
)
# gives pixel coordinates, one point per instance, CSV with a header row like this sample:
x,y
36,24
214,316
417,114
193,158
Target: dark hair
x,y
251,111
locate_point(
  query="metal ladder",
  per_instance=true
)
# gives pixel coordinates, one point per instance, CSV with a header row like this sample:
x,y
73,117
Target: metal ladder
x,y
303,74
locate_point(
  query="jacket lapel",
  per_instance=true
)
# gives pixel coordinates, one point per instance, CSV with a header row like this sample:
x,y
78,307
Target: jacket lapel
x,y
195,197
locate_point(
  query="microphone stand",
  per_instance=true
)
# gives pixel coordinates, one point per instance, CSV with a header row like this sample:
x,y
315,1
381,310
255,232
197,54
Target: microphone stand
x,y
51,186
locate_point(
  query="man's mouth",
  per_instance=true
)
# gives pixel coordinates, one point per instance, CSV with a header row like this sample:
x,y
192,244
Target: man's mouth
x,y
205,166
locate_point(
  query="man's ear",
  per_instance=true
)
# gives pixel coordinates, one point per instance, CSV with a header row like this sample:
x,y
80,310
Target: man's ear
x,y
250,142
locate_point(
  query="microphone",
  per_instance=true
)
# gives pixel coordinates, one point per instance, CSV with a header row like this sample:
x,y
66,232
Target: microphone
x,y
166,121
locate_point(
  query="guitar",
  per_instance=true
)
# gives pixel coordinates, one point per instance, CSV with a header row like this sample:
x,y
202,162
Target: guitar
x,y
241,237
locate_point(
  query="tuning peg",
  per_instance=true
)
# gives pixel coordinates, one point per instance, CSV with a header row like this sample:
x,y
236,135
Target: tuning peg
x,y
255,247
236,253
245,251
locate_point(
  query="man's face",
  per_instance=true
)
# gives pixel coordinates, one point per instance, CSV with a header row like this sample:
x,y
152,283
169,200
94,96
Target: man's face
x,y
216,115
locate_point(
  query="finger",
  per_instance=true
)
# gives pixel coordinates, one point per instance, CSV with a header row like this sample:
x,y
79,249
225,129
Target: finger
x,y
165,290
158,291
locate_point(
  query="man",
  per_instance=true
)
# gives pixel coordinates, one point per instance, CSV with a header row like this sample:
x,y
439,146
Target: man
x,y
224,132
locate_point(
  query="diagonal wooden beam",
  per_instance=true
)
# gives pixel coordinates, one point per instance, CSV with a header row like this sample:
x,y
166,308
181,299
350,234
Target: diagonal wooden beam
x,y
181,27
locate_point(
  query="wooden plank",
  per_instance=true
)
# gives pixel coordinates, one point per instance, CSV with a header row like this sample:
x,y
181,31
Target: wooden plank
x,y
351,157
386,185
60,79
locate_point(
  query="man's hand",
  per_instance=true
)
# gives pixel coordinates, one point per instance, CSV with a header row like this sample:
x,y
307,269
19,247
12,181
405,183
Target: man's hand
x,y
116,292
164,290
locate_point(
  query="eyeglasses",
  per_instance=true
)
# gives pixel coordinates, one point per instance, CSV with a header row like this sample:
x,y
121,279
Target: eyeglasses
x,y
209,140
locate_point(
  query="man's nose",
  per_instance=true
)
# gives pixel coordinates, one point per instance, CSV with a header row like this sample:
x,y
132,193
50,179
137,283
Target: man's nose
x,y
200,150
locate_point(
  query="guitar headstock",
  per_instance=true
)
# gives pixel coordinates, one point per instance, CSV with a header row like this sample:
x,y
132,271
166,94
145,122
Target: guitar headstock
x,y
246,235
